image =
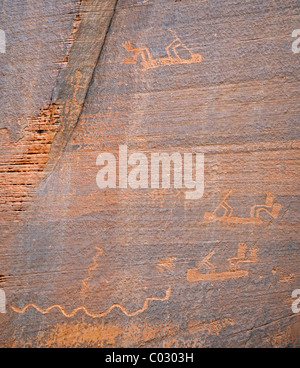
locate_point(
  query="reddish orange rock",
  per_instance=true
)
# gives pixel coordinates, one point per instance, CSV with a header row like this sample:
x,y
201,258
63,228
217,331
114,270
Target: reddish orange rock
x,y
82,266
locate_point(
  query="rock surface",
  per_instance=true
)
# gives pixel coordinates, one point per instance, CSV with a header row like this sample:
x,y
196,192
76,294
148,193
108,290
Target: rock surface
x,y
85,267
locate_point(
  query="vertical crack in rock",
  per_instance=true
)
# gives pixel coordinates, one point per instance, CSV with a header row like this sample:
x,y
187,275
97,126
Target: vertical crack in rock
x,y
28,161
74,82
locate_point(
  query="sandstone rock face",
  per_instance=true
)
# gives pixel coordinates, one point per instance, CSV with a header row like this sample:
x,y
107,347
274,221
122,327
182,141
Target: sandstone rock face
x,y
82,266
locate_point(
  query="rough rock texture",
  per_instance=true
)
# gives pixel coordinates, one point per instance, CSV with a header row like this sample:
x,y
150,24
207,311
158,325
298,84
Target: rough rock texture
x,y
84,267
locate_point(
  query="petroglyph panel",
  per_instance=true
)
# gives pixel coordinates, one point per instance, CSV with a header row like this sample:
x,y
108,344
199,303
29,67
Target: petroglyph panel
x,y
172,52
234,271
271,208
84,267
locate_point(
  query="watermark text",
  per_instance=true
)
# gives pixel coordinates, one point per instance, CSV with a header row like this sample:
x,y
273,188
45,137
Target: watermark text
x,y
296,303
161,170
2,301
2,42
296,44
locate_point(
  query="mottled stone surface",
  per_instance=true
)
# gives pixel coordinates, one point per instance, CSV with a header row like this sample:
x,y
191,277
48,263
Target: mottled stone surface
x,y
37,37
84,267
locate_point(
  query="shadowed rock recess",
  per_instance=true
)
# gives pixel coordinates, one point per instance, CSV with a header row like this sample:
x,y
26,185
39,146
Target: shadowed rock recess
x,y
138,266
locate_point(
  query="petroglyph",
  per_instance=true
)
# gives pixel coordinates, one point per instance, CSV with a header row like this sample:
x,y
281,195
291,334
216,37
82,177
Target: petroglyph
x,y
85,285
271,208
87,41
84,290
149,62
234,272
90,314
283,276
166,265
241,257
73,107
